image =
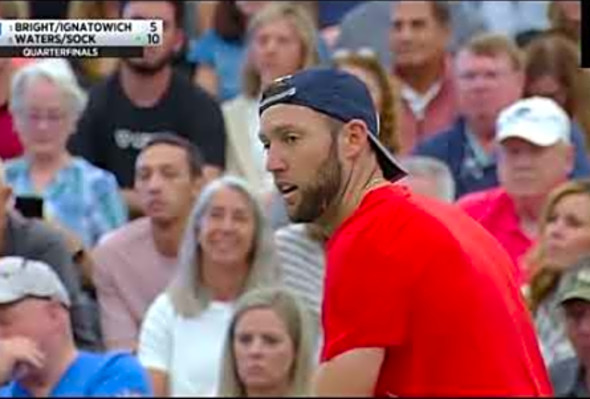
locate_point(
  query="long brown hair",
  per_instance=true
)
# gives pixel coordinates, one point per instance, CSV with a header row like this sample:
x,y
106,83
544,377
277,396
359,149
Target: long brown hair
x,y
389,112
545,276
554,55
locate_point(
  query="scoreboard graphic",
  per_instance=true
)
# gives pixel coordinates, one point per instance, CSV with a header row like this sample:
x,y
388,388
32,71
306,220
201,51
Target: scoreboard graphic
x,y
78,38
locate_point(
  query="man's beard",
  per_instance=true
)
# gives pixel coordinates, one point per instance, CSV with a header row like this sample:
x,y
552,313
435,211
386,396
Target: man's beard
x,y
317,197
149,69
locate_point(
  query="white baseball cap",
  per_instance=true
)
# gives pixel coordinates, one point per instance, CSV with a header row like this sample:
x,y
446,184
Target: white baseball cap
x,y
538,120
21,278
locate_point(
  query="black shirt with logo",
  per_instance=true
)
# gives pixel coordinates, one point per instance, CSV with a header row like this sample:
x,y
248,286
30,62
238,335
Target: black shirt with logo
x,y
112,130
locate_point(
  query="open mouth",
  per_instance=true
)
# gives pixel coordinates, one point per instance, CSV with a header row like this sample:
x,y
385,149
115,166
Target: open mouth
x,y
286,189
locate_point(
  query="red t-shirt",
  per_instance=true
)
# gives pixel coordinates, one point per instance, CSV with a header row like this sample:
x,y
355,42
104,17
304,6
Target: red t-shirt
x,y
425,282
10,145
494,210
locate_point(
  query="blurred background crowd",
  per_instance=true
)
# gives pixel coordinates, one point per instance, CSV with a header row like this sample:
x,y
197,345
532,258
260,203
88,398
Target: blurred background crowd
x,y
142,182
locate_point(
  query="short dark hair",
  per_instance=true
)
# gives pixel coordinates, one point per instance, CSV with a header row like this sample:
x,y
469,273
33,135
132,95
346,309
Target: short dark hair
x,y
193,154
178,10
441,12
228,21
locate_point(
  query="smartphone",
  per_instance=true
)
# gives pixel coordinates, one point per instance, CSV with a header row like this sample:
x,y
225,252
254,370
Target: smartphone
x,y
29,206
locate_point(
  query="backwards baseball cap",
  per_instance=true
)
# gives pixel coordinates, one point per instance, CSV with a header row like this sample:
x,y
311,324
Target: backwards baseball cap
x,y
538,120
21,278
575,283
338,94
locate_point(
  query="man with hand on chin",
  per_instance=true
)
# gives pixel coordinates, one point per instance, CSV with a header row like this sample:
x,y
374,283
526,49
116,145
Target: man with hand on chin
x,y
419,300
38,356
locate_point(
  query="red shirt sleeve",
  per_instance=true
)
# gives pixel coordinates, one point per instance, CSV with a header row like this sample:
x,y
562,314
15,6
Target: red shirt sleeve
x,y
367,289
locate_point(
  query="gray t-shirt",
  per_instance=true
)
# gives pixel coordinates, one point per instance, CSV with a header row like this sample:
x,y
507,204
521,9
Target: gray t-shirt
x,y
568,379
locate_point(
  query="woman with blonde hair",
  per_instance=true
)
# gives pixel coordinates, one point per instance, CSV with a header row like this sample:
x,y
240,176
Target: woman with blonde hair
x,y
226,251
268,349
282,39
364,64
552,69
564,237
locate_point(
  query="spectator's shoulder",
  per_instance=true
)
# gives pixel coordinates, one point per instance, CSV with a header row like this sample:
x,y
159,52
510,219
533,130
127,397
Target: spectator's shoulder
x,y
291,230
482,196
127,237
120,374
192,92
206,38
92,172
240,103
99,93
14,167
121,362
441,143
161,312
7,391
34,233
480,202
563,375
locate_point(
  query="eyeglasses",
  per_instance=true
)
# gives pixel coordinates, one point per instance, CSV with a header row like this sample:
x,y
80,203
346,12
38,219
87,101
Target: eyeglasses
x,y
51,117
362,52
490,76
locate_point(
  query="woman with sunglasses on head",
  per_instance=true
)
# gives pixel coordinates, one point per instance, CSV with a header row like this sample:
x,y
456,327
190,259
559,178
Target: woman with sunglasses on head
x,y
365,65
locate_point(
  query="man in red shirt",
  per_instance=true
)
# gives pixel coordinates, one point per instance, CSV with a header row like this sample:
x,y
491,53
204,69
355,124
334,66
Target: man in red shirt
x,y
418,298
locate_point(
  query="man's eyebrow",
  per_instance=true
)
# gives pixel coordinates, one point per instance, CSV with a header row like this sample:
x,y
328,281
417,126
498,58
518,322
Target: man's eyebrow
x,y
280,130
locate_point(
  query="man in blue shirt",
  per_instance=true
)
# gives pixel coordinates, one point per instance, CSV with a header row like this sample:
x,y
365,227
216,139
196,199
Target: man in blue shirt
x,y
38,357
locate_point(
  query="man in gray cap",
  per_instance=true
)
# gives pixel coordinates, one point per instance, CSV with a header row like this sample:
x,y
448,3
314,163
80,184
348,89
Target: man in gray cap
x,y
38,356
570,376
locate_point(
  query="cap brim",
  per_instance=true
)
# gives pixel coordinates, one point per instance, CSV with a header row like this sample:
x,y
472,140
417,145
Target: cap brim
x,y
538,140
389,166
580,294
10,297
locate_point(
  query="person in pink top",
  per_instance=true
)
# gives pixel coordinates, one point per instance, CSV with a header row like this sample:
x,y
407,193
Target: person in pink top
x,y
535,155
419,38
10,145
135,263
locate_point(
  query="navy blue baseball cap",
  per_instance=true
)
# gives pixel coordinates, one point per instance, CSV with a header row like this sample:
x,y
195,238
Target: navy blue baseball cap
x,y
338,94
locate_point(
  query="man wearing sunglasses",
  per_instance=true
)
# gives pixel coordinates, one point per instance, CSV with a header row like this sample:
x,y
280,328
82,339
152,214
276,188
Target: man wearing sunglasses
x,y
419,300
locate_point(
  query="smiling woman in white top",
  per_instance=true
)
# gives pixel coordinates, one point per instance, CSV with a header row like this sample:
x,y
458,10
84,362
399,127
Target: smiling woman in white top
x,y
226,251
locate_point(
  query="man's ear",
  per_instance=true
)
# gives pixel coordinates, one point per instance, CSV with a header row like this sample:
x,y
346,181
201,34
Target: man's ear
x,y
354,138
179,38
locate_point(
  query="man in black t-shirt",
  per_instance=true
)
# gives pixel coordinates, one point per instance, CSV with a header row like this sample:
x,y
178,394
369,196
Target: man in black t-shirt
x,y
146,96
